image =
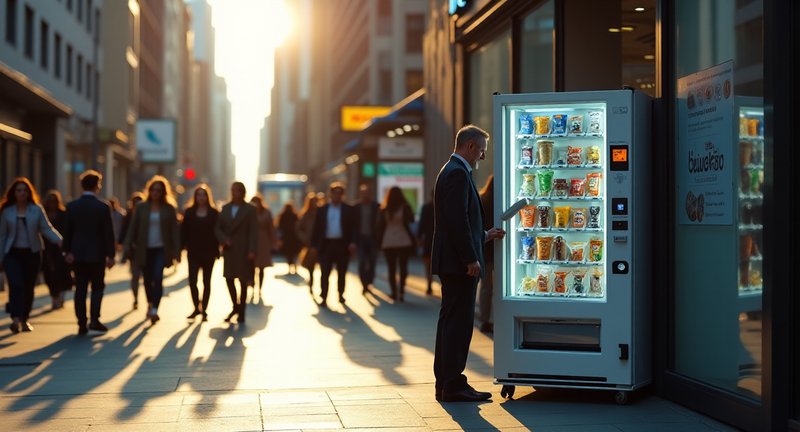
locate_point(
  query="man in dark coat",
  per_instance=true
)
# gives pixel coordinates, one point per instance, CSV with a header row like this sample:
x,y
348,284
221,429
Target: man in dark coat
x,y
366,212
333,236
89,247
457,258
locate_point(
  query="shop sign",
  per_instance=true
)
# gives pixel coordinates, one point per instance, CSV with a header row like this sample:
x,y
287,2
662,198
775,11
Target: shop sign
x,y
368,170
356,118
155,140
400,148
409,177
457,6
705,157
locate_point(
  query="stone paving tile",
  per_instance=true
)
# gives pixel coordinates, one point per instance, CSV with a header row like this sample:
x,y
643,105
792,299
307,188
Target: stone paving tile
x,y
298,409
355,402
472,422
134,427
363,393
293,397
60,425
205,411
303,422
220,398
231,424
391,415
588,428
665,427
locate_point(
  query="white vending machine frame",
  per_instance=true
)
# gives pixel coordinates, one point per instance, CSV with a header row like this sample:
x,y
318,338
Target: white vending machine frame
x,y
575,340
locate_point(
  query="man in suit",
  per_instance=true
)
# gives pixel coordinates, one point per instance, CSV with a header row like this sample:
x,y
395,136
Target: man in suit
x,y
366,212
333,236
89,247
457,258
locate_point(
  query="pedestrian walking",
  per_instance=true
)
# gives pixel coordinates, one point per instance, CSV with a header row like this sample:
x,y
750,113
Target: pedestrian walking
x,y
305,225
267,240
425,240
457,258
333,237
366,237
23,223
89,248
287,232
487,281
135,269
154,238
237,231
57,274
117,215
201,244
396,240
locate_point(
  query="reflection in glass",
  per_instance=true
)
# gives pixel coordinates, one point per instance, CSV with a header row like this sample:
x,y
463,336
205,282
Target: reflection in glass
x,y
536,56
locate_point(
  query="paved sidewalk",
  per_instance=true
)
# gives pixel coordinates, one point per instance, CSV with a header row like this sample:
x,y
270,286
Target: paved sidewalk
x,y
365,365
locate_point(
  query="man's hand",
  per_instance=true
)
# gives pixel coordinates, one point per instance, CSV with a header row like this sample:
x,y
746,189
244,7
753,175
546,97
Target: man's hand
x,y
474,269
109,262
69,258
495,233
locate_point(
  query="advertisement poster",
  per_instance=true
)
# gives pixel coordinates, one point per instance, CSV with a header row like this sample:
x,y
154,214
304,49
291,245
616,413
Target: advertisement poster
x,y
155,140
705,158
409,177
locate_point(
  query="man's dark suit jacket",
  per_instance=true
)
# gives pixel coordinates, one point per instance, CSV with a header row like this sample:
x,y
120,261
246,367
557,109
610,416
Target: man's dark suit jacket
x,y
88,231
458,234
372,217
349,227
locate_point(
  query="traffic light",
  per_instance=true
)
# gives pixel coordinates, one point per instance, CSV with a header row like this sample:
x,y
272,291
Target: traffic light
x,y
189,174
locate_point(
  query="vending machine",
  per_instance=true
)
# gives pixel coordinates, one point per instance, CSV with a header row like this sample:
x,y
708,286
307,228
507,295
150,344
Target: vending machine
x,y
572,276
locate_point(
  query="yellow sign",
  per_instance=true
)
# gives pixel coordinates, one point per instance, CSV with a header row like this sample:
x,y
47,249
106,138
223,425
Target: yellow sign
x,y
355,118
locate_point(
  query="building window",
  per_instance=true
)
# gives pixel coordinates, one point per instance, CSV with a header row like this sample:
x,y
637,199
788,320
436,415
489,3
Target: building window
x,y
69,5
89,16
89,74
11,22
414,81
96,24
384,17
28,32
79,74
415,27
69,65
385,78
57,56
44,38
80,10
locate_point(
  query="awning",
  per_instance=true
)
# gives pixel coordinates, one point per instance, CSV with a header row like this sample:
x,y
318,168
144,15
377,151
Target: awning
x,y
408,112
18,89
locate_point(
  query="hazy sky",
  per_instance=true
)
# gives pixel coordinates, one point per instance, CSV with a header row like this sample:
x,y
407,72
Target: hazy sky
x,y
247,32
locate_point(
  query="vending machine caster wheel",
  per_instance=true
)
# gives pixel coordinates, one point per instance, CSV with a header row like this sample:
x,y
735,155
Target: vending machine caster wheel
x,y
507,391
621,398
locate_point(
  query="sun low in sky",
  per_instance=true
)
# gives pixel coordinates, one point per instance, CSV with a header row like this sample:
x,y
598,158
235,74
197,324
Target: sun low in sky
x,y
247,32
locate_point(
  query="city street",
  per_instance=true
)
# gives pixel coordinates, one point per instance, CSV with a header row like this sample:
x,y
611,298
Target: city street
x,y
366,365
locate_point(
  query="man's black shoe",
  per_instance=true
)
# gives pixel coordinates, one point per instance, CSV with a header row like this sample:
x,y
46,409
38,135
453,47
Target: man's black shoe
x,y
438,394
82,330
194,314
466,395
341,298
98,327
230,316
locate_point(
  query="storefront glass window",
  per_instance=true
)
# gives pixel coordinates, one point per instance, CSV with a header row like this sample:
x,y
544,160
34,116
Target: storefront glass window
x,y
488,73
719,163
536,50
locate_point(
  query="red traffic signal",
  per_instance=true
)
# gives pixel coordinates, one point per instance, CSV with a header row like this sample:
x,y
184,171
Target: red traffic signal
x,y
189,174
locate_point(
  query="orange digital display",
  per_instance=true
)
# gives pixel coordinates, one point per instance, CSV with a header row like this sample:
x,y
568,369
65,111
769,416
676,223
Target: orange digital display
x,y
619,155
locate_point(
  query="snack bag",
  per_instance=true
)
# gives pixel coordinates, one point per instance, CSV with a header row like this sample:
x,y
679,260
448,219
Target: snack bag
x,y
560,281
525,124
574,156
560,187
596,282
526,155
544,151
595,250
579,218
576,251
528,187
593,155
577,187
559,124
543,247
543,280
577,280
594,217
559,249
543,215
594,182
561,156
528,284
561,216
595,123
527,216
545,181
527,248
575,124
542,125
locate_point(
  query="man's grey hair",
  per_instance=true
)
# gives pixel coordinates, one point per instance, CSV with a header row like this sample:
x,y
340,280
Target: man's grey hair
x,y
468,133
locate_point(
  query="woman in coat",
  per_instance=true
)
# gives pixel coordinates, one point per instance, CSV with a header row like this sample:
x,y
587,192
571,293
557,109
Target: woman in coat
x,y
237,232
266,239
304,226
287,229
136,271
200,242
154,236
56,273
395,238
23,223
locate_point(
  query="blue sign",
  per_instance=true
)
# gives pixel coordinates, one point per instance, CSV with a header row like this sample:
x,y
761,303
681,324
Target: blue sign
x,y
457,6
